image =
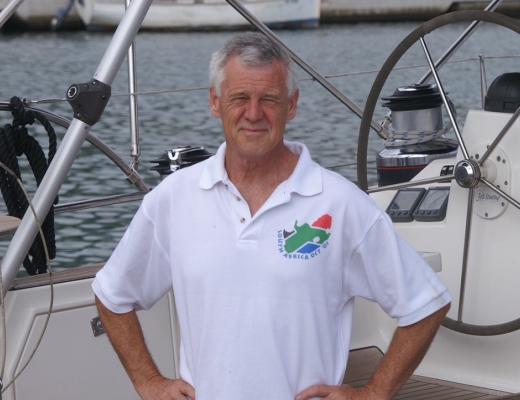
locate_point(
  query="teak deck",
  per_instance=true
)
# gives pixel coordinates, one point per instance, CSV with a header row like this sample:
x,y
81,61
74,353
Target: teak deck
x,y
362,364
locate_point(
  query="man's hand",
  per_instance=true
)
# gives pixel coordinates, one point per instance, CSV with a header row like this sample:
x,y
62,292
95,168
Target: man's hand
x,y
161,388
343,392
408,346
125,334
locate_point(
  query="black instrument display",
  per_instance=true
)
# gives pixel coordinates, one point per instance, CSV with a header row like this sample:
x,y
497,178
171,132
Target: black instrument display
x,y
403,204
433,205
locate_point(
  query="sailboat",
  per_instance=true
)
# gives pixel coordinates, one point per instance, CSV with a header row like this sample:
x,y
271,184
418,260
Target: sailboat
x,y
455,199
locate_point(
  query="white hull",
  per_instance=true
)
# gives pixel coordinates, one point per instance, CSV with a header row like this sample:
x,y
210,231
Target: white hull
x,y
210,14
71,363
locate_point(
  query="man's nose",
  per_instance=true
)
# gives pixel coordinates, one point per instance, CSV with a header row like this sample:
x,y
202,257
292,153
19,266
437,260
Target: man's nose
x,y
254,110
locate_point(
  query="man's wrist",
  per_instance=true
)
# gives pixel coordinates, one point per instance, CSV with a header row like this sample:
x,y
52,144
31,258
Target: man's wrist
x,y
375,392
146,380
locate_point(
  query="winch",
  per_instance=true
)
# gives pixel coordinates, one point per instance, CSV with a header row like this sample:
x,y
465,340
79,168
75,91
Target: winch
x,y
415,133
179,157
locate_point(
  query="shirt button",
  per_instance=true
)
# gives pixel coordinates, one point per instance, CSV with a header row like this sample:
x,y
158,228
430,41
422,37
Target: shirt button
x,y
242,220
238,198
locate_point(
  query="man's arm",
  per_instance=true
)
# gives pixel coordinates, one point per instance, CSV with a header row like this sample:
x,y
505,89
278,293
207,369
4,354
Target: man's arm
x,y
407,348
126,336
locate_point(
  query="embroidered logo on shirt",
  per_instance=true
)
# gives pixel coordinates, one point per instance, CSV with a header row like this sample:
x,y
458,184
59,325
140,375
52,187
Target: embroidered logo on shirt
x,y
305,241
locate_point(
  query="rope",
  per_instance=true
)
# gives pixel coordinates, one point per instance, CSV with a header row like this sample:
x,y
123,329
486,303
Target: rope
x,y
15,141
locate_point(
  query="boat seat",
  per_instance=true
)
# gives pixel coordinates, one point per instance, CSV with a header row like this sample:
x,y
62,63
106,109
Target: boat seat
x,y
363,362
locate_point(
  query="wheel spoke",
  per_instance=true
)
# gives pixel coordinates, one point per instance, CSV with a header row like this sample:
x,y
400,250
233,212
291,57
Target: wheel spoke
x,y
502,133
500,192
460,40
444,99
465,252
397,186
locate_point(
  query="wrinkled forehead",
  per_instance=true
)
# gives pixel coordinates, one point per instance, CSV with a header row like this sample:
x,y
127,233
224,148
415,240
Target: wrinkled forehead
x,y
239,73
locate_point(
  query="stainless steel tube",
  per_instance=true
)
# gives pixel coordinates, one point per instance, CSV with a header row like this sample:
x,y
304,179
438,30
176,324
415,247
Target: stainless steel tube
x,y
465,254
123,37
483,80
8,11
445,99
135,151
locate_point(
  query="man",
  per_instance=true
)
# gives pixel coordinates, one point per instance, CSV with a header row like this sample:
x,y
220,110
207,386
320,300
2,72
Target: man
x,y
265,251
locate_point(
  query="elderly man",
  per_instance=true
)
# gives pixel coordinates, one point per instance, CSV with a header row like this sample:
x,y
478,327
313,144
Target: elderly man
x,y
265,251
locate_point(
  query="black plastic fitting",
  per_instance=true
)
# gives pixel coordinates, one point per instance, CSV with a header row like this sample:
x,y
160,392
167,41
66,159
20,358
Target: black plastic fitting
x,y
88,100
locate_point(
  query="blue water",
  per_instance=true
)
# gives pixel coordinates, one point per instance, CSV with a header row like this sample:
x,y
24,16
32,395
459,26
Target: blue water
x,y
42,65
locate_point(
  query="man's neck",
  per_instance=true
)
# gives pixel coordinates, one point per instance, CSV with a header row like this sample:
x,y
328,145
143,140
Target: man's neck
x,y
257,179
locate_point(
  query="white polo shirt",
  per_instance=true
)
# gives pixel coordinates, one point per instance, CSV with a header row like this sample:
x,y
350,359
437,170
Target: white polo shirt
x,y
265,302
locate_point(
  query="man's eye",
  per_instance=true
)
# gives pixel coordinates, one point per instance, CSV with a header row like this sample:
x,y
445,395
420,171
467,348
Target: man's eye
x,y
269,100
237,99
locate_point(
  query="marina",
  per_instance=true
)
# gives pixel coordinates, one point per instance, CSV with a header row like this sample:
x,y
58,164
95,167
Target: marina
x,y
471,246
209,14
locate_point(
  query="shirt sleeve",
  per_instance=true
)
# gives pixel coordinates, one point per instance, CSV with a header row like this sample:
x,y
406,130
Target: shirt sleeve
x,y
386,269
137,273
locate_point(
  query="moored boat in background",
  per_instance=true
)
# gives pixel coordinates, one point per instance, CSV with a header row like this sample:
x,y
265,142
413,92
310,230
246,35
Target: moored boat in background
x,y
203,14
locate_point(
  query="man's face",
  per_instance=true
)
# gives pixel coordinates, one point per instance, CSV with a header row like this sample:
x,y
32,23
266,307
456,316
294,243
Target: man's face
x,y
254,107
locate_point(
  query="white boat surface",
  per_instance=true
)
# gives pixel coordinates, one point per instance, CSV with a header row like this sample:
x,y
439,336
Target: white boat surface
x,y
399,10
203,14
472,247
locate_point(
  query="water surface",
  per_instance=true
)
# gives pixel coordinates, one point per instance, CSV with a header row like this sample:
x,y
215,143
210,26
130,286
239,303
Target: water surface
x,y
42,65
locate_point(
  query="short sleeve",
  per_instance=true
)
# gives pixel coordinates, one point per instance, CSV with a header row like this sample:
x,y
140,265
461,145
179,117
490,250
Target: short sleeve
x,y
386,269
138,272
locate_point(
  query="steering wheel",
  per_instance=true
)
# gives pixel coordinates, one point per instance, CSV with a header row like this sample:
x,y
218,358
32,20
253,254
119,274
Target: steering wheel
x,y
468,172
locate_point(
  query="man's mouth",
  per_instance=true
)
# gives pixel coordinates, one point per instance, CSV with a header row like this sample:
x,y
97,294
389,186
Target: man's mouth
x,y
251,129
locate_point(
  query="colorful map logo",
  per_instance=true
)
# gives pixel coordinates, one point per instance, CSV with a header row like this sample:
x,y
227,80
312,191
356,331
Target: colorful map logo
x,y
305,241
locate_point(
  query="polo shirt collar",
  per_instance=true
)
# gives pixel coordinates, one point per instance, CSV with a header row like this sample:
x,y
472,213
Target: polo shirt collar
x,y
214,170
305,180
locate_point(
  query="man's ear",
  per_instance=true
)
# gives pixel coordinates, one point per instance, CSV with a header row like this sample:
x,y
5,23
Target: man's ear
x,y
293,104
214,102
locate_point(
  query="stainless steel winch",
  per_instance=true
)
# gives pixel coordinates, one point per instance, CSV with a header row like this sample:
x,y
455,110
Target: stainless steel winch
x,y
415,134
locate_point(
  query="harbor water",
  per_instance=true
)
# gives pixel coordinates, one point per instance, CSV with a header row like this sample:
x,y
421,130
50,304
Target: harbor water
x,y
173,104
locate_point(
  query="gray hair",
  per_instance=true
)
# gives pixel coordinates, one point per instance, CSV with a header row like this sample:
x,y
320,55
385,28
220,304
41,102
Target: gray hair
x,y
255,50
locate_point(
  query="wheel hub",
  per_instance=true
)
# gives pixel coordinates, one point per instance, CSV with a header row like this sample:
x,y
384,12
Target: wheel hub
x,y
467,173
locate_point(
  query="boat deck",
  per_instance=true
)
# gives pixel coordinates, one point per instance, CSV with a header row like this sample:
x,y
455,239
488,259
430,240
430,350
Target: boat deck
x,y
363,362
